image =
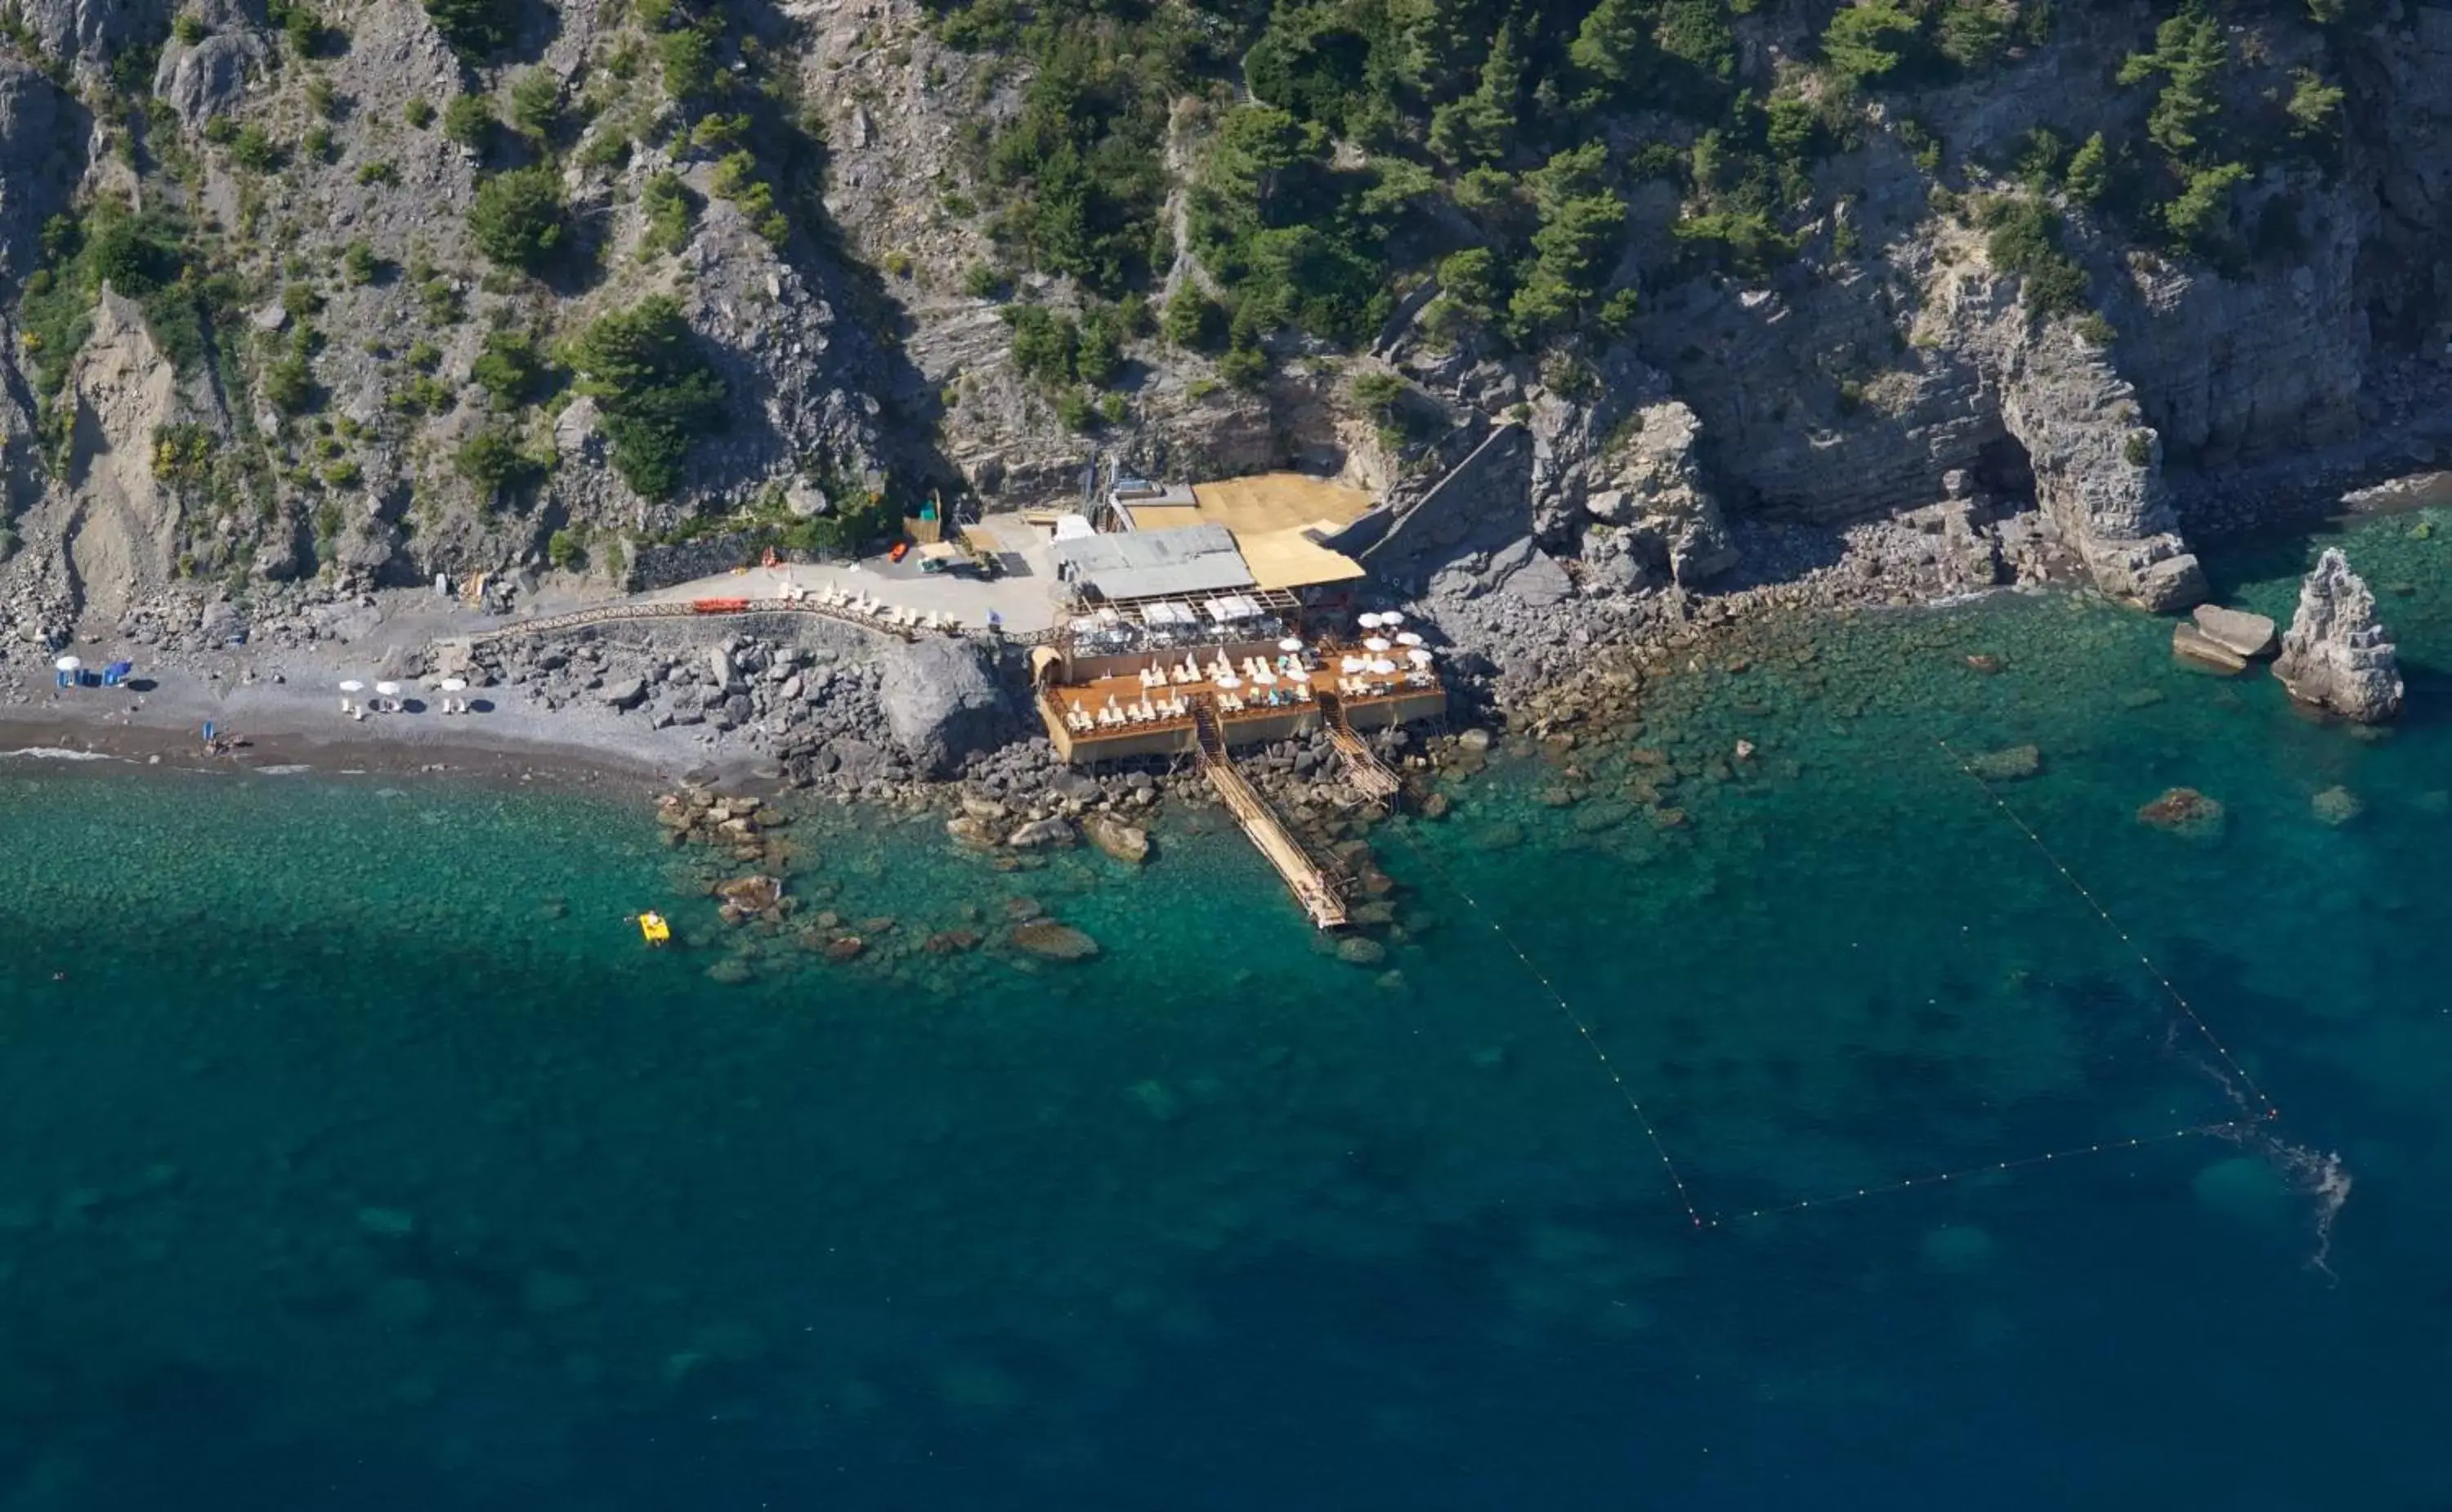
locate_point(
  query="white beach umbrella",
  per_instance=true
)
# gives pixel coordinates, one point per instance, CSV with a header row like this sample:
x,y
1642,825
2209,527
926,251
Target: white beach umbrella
x,y
1289,643
1409,638
1420,658
453,684
1376,644
353,685
1383,666
68,664
1352,665
386,690
1367,621
1228,680
1390,616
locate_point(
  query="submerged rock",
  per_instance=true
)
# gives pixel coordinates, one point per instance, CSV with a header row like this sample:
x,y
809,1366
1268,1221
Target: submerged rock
x,y
1128,843
1040,832
2336,656
1051,941
971,830
2014,764
745,897
2338,806
1360,950
2183,811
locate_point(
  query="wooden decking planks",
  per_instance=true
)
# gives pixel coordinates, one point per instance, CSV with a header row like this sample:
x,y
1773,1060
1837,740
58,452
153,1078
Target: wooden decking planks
x,y
1309,885
1363,768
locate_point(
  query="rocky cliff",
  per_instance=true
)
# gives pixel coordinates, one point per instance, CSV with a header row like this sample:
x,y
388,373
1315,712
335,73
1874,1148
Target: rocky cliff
x,y
315,281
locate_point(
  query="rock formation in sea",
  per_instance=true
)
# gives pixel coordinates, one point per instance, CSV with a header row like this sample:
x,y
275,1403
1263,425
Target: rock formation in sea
x,y
2335,655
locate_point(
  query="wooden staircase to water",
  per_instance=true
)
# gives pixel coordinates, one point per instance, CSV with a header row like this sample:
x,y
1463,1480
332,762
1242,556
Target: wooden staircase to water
x,y
1367,775
1312,887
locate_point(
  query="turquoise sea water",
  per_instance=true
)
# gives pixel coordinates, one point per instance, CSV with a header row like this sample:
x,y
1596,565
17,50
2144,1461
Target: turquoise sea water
x,y
362,1159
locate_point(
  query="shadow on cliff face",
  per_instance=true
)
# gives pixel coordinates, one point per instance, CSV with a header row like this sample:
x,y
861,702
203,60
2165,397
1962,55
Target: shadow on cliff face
x,y
44,131
787,140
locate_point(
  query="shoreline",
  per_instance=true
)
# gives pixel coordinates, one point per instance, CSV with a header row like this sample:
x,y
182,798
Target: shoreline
x,y
72,740
1579,660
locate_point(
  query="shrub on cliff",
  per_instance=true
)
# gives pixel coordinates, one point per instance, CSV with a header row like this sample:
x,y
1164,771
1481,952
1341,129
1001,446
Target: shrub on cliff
x,y
519,220
492,459
655,388
476,29
512,370
2025,240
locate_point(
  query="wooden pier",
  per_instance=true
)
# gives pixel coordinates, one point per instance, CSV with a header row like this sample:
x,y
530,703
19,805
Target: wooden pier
x,y
1363,769
1312,887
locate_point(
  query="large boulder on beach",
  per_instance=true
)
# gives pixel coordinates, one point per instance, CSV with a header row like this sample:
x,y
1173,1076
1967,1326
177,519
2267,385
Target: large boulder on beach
x,y
944,702
2335,655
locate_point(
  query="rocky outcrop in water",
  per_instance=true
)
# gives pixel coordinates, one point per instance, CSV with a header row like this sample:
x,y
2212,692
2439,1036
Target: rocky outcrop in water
x,y
2335,655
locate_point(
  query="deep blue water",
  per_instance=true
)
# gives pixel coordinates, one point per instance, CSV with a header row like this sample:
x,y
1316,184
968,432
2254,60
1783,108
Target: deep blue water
x,y
362,1160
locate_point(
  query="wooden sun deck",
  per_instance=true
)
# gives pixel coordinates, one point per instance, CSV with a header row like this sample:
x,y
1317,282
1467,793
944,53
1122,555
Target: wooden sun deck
x,y
1254,724
1315,889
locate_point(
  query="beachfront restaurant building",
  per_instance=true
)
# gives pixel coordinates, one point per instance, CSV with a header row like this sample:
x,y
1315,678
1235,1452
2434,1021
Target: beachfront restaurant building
x,y
1207,601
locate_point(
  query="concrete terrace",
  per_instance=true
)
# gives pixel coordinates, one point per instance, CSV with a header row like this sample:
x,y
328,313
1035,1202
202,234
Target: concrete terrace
x,y
1024,598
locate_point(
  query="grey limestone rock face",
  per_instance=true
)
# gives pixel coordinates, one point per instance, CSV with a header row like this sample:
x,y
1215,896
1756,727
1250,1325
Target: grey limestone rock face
x,y
90,31
2335,655
1660,492
42,146
943,702
209,79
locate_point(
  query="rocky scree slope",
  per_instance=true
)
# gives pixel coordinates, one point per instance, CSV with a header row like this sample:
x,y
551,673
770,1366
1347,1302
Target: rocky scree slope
x,y
340,291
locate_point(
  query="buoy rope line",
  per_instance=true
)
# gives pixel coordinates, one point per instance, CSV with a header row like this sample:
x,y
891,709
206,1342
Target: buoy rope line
x,y
2233,1129
1584,1030
1965,1173
2179,999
